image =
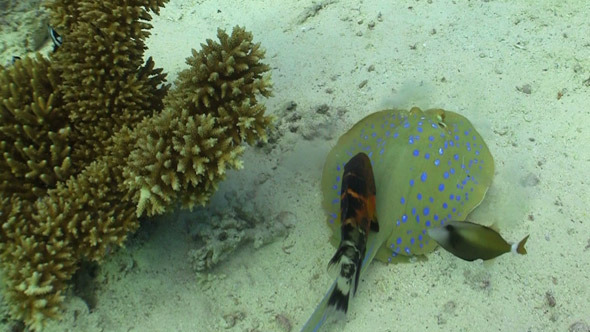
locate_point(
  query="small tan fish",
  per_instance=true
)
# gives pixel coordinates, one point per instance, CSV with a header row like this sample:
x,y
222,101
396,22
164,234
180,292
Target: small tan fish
x,y
470,241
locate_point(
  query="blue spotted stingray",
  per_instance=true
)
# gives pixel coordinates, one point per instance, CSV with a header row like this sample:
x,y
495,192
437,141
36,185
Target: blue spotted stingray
x,y
429,167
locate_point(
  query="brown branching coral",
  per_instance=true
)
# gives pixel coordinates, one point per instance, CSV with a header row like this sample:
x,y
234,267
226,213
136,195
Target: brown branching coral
x,y
182,153
104,54
88,142
34,133
224,79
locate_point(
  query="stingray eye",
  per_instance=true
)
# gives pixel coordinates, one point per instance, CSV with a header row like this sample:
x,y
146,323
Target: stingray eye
x,y
440,118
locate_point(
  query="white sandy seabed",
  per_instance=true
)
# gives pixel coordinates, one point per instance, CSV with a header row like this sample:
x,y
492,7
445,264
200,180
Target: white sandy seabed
x,y
518,70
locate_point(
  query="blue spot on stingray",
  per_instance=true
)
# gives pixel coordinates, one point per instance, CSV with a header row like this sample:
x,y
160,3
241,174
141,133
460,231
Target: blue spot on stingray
x,y
370,154
381,151
395,135
399,240
411,182
445,205
335,201
404,217
440,151
412,240
456,156
374,134
426,155
416,153
452,170
407,250
426,211
466,132
387,133
419,129
411,140
435,217
418,219
419,196
414,211
333,215
456,137
338,179
427,223
423,176
366,137
451,197
431,138
420,237
458,198
406,124
446,175
338,168
402,200
431,200
452,143
441,187
335,187
436,162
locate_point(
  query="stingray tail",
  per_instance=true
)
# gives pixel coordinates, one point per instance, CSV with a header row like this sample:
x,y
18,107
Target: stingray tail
x,y
321,313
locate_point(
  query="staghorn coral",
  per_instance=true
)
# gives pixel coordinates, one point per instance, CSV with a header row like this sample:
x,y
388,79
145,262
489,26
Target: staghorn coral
x,y
43,243
59,177
34,134
135,152
104,54
182,153
224,79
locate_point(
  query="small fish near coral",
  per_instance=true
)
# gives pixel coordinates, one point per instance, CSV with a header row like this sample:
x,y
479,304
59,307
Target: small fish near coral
x,y
430,168
55,37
